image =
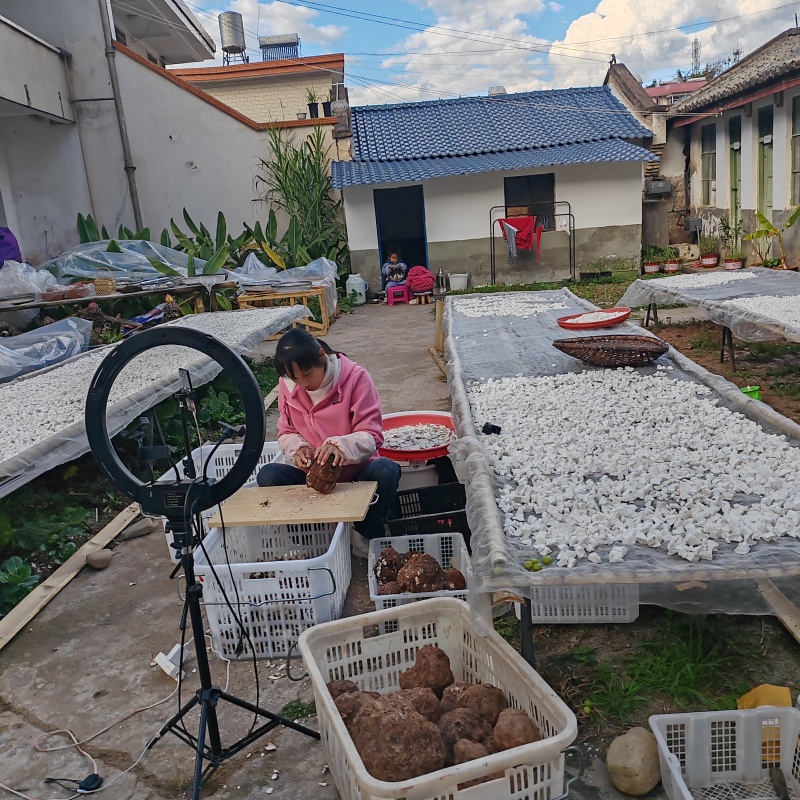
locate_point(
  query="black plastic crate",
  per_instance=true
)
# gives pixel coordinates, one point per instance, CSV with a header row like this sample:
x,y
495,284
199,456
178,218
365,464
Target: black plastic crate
x,y
431,499
431,509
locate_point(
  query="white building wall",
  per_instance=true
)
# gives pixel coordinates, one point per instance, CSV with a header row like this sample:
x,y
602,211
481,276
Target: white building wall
x,y
206,167
457,207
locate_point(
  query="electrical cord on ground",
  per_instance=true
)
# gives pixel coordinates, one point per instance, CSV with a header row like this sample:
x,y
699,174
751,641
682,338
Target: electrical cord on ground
x,y
78,745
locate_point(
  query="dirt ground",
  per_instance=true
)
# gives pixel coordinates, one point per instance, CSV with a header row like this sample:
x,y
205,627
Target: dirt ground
x,y
86,660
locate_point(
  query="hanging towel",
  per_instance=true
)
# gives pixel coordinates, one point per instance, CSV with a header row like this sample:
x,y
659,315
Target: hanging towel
x,y
524,226
510,235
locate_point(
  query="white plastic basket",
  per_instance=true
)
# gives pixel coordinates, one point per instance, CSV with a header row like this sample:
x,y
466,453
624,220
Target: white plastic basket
x,y
219,466
303,572
447,548
584,604
344,649
713,755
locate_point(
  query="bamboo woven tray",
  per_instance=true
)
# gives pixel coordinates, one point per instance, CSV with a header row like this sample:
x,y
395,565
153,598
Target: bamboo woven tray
x,y
614,351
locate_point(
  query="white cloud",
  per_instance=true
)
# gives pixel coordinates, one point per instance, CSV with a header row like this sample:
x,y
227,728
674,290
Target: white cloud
x,y
555,7
487,44
616,26
272,19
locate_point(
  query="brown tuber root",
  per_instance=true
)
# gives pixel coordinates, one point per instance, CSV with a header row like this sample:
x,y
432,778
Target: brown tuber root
x,y
392,587
322,477
337,688
515,728
461,723
453,580
431,670
395,742
422,700
350,704
388,564
483,699
420,574
465,750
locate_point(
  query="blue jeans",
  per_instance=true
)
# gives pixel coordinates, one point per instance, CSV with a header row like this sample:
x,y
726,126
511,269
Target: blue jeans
x,y
382,470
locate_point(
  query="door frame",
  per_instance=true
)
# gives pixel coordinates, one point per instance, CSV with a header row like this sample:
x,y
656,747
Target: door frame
x,y
378,222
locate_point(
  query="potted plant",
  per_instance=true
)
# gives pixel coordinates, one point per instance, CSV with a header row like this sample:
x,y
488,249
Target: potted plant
x,y
732,255
313,103
709,251
326,104
301,115
652,259
768,231
671,262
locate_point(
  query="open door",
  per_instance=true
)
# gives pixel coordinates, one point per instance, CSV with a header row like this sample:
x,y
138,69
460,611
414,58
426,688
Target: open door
x,y
400,214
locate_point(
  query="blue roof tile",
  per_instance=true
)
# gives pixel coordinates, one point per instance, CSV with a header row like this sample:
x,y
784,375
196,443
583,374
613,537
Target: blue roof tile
x,y
354,173
470,134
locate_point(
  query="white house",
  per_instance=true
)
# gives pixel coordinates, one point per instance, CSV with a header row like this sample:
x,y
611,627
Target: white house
x,y
67,70
735,143
434,179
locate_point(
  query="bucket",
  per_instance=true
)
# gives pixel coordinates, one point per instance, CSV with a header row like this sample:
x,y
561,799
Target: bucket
x,y
457,280
355,283
752,391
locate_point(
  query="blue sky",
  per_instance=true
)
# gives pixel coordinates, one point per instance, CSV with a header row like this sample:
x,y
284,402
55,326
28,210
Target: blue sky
x,y
423,49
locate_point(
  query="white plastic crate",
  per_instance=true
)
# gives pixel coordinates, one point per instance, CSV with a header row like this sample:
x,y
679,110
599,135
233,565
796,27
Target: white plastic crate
x,y
447,548
219,466
713,755
345,650
280,579
584,604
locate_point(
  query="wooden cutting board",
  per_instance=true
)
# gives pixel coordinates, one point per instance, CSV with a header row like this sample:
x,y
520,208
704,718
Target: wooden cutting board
x,y
293,505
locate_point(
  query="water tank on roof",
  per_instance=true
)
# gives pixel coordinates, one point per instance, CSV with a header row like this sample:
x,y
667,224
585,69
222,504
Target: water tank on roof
x,y
494,91
231,32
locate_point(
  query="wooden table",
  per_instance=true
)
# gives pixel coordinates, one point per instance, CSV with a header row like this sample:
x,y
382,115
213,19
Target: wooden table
x,y
295,505
297,297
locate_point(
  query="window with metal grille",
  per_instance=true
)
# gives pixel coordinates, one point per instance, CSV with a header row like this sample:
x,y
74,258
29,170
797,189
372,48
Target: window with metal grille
x,y
532,196
708,164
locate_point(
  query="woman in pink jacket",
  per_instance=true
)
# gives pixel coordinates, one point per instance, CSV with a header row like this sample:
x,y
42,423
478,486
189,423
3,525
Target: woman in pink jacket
x,y
329,406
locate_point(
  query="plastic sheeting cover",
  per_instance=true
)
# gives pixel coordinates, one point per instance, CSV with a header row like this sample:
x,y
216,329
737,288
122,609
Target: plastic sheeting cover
x,y
710,299
83,261
145,382
495,347
43,347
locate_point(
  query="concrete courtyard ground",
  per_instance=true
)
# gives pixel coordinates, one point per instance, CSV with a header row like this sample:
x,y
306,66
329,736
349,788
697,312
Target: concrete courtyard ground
x,y
86,660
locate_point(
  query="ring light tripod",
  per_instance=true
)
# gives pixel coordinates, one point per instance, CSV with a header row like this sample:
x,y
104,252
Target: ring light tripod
x,y
179,502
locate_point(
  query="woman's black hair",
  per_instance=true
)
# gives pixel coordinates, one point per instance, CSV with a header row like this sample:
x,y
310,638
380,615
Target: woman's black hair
x,y
298,346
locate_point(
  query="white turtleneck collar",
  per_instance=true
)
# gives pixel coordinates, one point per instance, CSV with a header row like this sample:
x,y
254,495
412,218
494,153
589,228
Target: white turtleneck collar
x,y
333,368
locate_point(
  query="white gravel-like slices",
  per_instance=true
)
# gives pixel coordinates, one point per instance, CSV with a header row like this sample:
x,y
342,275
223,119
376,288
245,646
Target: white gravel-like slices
x,y
625,459
785,310
39,406
504,304
418,437
701,281
597,316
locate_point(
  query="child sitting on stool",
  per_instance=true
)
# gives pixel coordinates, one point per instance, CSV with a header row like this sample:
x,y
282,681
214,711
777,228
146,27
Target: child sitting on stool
x,y
394,272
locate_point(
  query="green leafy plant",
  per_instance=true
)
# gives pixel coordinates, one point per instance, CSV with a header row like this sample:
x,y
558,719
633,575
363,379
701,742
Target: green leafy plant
x,y
669,254
88,231
16,581
730,235
296,180
769,231
58,549
216,406
653,255
709,245
312,96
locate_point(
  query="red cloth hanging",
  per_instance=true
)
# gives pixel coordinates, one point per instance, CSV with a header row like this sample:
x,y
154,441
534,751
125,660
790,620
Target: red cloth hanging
x,y
524,226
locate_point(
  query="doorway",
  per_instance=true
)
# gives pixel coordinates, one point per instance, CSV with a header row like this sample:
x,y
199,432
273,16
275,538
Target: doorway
x,y
400,215
735,137
765,161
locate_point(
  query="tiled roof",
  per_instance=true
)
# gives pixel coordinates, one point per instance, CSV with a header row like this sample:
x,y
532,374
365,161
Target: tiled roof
x,y
667,89
414,141
776,59
332,64
354,173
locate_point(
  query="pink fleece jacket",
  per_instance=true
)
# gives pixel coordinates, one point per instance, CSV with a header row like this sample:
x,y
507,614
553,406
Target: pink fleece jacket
x,y
352,405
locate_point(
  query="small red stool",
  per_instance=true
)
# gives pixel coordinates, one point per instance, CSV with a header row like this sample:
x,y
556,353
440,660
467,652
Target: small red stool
x,y
397,294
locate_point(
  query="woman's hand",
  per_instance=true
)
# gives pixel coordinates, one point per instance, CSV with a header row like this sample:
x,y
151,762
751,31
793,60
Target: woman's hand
x,y
303,457
326,451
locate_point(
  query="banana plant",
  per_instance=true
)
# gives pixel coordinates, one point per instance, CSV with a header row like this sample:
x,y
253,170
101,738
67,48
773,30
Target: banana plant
x,y
213,265
768,230
88,231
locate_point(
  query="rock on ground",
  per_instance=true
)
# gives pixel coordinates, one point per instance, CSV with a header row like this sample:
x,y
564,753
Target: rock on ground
x,y
632,762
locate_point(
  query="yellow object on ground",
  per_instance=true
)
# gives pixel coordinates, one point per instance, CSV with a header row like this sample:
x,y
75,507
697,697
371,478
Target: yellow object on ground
x,y
765,695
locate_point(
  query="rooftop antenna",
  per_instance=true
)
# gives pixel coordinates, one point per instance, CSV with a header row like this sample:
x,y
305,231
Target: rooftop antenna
x,y
695,56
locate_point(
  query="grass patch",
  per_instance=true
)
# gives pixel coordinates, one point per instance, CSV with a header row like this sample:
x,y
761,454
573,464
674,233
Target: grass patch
x,y
508,626
762,352
297,709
